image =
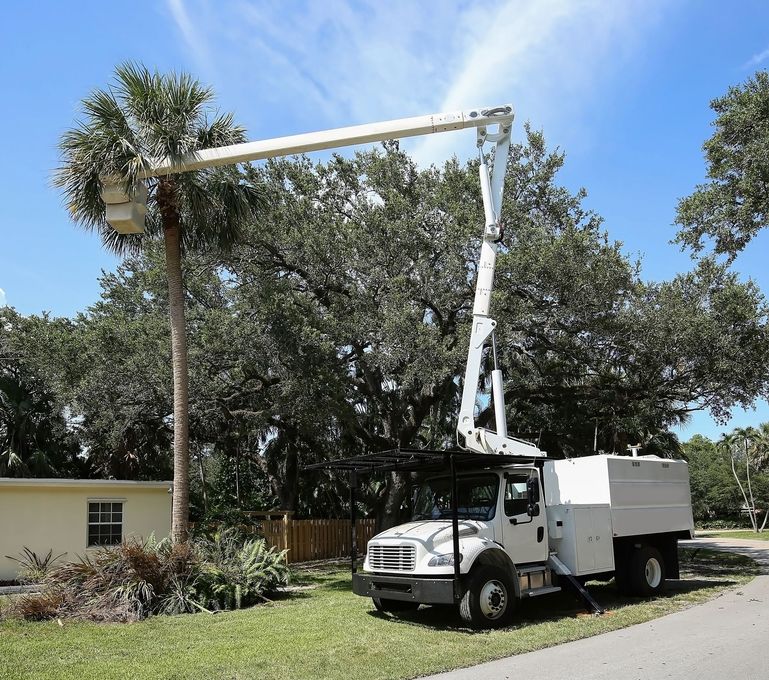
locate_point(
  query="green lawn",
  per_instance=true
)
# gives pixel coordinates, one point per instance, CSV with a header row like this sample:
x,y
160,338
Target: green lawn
x,y
747,533
327,632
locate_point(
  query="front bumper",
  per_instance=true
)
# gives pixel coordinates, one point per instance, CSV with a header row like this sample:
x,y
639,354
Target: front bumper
x,y
406,588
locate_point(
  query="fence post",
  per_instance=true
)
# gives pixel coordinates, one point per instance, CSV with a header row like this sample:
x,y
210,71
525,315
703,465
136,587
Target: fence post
x,y
285,535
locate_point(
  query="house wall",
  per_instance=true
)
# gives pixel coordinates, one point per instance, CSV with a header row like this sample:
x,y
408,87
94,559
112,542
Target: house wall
x,y
56,517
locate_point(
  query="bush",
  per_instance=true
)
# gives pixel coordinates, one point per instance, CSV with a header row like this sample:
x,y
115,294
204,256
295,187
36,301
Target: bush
x,y
238,574
732,522
33,568
234,521
134,580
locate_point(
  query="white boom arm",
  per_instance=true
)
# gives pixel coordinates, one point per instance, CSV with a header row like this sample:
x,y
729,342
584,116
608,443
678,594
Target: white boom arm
x,y
469,436
126,212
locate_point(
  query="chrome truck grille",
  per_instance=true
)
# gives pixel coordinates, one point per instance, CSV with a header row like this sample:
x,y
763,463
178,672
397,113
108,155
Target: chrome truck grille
x,y
392,557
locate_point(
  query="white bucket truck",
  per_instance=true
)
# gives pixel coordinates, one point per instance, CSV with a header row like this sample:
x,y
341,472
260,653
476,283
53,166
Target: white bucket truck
x,y
506,522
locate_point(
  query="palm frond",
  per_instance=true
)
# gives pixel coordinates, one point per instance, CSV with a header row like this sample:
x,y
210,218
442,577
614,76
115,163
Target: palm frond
x,y
144,115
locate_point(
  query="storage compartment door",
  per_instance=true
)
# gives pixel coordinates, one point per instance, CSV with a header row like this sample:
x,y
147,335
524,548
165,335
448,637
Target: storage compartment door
x,y
595,553
583,534
602,539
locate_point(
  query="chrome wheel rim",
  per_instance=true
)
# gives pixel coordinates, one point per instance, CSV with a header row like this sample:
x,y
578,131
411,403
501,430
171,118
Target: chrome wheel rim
x,y
493,599
653,572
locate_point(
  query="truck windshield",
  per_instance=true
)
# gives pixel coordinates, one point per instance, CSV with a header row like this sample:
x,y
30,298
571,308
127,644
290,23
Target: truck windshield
x,y
477,498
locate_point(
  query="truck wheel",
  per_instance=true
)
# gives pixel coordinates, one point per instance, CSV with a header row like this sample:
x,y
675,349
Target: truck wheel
x,y
394,606
647,571
488,601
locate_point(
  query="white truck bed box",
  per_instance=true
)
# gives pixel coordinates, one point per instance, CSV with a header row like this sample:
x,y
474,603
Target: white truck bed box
x,y
641,495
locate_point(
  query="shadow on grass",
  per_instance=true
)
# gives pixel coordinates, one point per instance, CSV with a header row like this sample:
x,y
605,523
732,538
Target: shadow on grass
x,y
553,607
701,569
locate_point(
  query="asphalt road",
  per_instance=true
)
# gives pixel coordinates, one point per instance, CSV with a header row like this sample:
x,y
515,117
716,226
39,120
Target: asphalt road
x,y
724,639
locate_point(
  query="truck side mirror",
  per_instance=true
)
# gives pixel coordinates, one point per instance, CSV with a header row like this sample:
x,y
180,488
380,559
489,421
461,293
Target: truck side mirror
x,y
532,490
533,510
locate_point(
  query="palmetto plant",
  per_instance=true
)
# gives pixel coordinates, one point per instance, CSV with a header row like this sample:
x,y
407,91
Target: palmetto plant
x,y
239,573
142,116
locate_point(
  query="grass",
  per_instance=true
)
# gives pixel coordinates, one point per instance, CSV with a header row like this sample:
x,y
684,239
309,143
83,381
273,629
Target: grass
x,y
324,631
747,533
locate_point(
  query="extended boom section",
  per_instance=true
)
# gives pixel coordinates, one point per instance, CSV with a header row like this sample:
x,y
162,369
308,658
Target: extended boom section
x,y
126,206
469,435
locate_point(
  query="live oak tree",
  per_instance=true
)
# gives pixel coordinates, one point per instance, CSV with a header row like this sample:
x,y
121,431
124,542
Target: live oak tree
x,y
733,205
382,255
143,116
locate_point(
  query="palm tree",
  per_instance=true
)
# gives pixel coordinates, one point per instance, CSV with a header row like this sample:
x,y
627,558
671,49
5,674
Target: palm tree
x,y
747,436
731,445
142,116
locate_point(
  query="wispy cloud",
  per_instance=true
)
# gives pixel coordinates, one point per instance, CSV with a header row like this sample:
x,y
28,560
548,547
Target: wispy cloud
x,y
194,39
290,67
549,58
757,59
3,300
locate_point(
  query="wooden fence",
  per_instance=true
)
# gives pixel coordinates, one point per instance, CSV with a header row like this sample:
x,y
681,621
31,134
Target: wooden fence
x,y
315,539
310,539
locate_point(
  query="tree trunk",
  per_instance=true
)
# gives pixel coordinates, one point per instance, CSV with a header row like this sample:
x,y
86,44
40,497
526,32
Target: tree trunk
x,y
172,238
763,524
237,474
739,483
752,508
390,513
202,472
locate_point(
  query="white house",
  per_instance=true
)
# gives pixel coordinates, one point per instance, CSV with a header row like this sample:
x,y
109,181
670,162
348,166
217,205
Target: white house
x,y
74,516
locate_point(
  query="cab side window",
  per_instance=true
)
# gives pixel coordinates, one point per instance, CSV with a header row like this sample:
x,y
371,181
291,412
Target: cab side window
x,y
516,498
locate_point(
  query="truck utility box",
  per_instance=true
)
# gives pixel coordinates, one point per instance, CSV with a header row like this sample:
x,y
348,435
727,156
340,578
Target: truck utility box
x,y
593,500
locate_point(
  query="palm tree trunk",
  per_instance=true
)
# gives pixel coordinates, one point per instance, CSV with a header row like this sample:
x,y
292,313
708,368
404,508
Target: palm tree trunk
x,y
171,232
753,516
739,483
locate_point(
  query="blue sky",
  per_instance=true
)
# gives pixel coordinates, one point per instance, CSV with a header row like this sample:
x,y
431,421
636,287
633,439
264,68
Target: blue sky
x,y
622,87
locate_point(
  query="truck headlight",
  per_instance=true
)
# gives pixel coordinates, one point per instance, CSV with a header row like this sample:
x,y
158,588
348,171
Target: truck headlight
x,y
444,560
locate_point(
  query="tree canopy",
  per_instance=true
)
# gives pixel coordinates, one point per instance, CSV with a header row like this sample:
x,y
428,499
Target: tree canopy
x,y
733,206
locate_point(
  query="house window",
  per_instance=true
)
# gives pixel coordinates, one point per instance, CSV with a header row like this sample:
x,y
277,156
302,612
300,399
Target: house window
x,y
105,523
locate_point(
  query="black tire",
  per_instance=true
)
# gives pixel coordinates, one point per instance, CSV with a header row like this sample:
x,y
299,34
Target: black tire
x,y
647,571
489,600
394,606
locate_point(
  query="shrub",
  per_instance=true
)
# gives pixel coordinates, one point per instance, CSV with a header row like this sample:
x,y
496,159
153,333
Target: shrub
x,y
239,574
39,606
33,567
134,580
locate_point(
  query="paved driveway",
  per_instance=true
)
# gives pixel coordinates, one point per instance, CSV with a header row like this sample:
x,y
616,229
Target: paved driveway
x,y
724,639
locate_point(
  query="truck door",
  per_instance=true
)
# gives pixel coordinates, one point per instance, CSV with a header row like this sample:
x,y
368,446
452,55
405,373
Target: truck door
x,y
524,537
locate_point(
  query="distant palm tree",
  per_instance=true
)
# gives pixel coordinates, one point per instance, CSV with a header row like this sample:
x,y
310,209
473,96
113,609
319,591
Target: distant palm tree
x,y
142,116
747,436
25,428
732,444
